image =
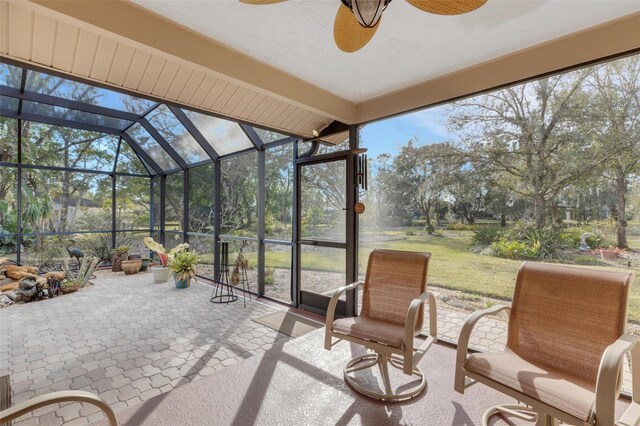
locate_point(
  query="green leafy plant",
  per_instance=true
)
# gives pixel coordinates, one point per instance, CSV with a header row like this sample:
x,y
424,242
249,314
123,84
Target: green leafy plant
x,y
512,249
269,276
165,257
121,250
67,283
183,265
486,235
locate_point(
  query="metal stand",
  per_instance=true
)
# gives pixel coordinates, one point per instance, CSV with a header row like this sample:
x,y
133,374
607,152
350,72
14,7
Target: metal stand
x,y
223,291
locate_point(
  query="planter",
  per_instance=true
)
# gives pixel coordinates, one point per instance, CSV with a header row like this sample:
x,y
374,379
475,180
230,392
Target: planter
x,y
116,261
67,290
160,274
184,283
131,267
145,265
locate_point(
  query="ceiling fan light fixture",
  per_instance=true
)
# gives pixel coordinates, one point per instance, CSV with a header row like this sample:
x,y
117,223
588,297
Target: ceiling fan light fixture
x,y
367,12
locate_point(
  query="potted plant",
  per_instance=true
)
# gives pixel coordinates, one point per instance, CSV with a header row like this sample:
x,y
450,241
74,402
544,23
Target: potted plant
x,y
120,253
161,273
145,264
183,266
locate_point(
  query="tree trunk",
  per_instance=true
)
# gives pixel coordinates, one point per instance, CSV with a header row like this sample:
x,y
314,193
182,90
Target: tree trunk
x,y
540,204
621,206
503,220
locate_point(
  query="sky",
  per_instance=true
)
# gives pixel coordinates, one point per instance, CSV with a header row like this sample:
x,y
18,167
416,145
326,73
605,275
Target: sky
x,y
387,136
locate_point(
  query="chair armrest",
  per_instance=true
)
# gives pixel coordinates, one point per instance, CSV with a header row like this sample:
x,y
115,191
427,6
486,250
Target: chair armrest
x,y
412,314
410,327
331,311
609,378
463,341
56,398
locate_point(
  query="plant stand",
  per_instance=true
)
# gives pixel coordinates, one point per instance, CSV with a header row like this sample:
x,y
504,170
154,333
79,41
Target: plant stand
x,y
223,292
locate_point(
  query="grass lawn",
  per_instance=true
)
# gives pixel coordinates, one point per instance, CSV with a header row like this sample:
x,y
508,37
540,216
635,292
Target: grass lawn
x,y
452,265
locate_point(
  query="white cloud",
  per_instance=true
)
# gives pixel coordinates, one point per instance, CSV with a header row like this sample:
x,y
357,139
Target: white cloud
x,y
433,120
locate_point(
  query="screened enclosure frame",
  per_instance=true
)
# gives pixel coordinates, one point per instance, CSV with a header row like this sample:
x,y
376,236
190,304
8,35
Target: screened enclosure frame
x,y
108,120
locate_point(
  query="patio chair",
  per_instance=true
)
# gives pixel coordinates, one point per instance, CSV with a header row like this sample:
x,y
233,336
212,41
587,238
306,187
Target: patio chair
x,y
9,414
392,316
565,348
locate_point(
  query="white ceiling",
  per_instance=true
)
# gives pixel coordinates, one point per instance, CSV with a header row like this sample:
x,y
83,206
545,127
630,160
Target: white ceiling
x,y
410,46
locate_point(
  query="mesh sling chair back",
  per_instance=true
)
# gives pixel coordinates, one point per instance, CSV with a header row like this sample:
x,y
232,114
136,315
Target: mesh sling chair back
x,y
565,347
394,293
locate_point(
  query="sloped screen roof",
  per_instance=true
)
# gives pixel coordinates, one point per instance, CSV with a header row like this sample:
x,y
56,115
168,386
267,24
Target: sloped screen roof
x,y
159,138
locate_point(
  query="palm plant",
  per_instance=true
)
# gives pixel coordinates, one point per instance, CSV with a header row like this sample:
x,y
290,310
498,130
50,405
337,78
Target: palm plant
x,y
183,265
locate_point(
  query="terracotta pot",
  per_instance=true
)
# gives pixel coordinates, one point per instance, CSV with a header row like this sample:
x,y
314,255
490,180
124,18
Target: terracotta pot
x,y
131,267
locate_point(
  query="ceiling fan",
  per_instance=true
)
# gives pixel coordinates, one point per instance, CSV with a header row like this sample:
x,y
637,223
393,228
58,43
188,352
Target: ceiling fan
x,y
357,20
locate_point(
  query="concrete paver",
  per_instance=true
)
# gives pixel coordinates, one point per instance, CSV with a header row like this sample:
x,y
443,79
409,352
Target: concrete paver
x,y
125,338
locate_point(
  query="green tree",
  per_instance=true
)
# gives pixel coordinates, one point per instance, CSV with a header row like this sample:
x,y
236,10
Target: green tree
x,y
616,101
529,137
417,178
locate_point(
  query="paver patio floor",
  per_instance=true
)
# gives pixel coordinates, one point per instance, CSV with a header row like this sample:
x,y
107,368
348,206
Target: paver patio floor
x,y
125,339
128,340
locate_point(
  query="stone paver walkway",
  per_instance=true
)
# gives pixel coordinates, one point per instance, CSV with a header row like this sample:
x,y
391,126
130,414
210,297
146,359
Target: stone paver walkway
x,y
125,339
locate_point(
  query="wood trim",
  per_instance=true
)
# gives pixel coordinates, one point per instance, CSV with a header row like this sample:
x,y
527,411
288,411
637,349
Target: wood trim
x,y
150,31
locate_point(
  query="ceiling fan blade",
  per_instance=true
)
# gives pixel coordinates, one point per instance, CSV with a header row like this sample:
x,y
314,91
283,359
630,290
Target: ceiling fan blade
x,y
261,2
447,7
348,33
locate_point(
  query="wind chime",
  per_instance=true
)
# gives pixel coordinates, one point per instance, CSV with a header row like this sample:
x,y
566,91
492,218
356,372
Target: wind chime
x,y
239,272
361,175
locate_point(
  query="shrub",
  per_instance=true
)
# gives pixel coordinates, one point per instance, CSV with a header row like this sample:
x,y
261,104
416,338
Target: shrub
x,y
269,276
513,249
547,241
486,235
461,227
98,245
525,241
573,237
410,232
51,253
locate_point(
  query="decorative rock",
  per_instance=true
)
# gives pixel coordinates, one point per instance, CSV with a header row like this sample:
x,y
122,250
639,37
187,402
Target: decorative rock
x,y
11,285
19,272
5,301
26,295
11,295
27,284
